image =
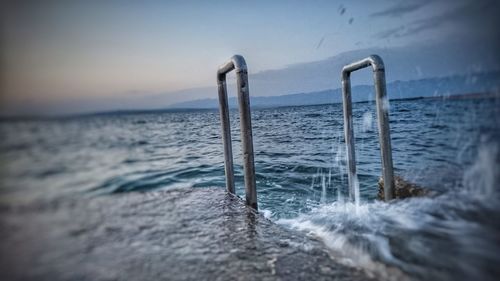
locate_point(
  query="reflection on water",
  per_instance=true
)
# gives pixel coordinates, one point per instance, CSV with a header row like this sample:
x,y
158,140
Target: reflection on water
x,y
449,146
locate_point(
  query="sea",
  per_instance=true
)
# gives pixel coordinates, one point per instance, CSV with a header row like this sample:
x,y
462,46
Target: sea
x,y
448,146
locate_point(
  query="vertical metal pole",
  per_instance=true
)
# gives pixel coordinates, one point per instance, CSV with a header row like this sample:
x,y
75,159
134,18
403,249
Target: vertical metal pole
x,y
383,122
246,138
382,102
238,62
226,135
349,132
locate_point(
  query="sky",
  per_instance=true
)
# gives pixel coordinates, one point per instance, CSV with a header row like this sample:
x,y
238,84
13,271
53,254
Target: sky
x,y
57,50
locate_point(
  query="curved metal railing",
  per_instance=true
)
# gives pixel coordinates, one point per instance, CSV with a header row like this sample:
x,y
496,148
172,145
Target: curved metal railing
x,y
238,64
382,103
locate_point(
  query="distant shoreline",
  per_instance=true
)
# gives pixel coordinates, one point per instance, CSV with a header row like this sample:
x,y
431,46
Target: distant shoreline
x,y
476,96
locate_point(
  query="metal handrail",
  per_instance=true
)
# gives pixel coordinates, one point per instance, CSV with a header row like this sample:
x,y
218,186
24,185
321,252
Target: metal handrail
x,y
383,122
237,63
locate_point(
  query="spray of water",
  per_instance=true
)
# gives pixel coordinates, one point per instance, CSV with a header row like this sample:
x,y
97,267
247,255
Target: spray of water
x,y
447,237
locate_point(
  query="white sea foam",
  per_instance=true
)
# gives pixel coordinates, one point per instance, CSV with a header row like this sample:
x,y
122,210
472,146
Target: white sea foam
x,y
266,213
415,235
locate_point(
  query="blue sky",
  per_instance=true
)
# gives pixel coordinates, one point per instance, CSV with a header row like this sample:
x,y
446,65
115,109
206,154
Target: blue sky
x,y
54,50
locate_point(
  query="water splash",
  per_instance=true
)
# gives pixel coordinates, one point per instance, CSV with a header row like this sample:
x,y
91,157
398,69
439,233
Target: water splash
x,y
482,177
357,199
323,189
414,237
367,122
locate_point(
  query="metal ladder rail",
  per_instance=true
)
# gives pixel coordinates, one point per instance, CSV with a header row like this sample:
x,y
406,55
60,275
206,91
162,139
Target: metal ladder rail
x,y
383,122
238,64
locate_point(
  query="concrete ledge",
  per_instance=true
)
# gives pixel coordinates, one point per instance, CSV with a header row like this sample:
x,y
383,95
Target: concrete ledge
x,y
187,234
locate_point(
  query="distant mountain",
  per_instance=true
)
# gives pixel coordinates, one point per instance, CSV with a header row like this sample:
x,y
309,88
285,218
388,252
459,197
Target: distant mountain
x,y
453,85
416,61
404,63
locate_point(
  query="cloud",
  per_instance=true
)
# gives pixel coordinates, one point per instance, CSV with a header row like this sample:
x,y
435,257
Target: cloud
x,y
401,9
392,32
477,15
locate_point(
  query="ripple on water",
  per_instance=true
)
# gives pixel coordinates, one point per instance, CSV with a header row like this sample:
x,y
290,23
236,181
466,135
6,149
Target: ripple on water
x,y
301,174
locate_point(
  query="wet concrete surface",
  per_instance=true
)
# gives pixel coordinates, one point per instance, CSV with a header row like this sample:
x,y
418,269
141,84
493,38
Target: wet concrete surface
x,y
185,234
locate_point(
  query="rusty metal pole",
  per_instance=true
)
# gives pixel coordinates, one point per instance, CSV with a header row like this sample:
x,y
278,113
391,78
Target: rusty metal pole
x,y
383,122
238,63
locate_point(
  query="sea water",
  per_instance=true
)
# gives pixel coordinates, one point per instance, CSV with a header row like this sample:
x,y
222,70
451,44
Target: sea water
x,y
451,147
